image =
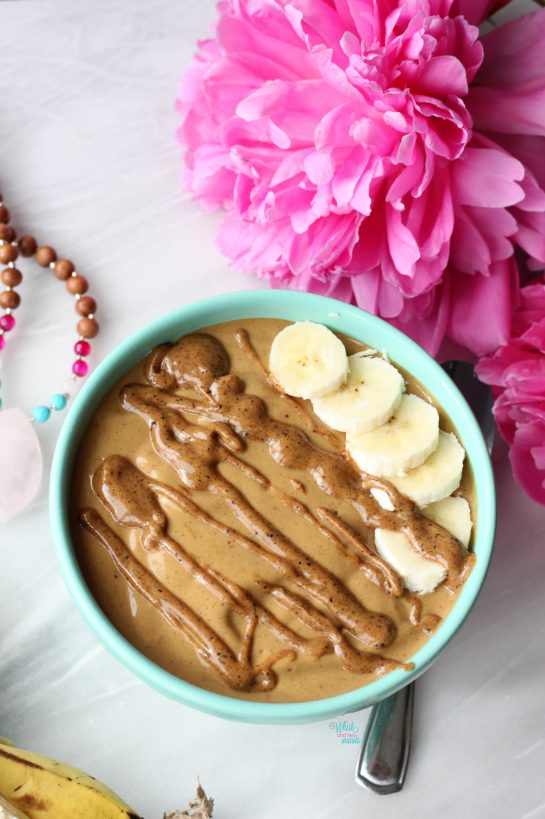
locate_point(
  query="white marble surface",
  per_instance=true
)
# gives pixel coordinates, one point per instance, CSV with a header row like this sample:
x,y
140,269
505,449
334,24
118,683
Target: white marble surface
x,y
89,164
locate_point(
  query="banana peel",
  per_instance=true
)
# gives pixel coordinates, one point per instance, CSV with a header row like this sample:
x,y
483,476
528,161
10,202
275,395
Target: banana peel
x,y
37,787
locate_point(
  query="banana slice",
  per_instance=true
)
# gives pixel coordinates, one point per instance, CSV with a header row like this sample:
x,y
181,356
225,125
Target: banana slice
x,y
383,499
404,442
438,477
454,515
369,398
419,574
307,360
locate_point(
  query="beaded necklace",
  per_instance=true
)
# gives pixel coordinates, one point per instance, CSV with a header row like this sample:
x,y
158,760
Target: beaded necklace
x,y
20,451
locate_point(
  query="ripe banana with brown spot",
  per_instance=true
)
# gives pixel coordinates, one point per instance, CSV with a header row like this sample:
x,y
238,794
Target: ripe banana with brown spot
x,y
36,787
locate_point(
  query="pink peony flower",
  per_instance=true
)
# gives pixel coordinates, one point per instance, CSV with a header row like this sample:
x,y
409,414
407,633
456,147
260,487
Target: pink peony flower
x,y
517,374
353,159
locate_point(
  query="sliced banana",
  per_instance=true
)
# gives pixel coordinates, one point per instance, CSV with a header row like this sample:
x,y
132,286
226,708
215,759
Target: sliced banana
x,y
454,515
369,398
419,574
307,360
438,477
403,443
383,499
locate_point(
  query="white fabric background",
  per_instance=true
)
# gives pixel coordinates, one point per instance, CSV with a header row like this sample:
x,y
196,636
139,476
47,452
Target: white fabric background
x,y
88,163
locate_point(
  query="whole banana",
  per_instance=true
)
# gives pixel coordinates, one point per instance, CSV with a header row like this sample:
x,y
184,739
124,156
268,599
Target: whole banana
x,y
36,787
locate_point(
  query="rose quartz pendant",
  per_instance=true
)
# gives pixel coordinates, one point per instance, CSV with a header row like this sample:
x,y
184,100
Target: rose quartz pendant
x,y
21,463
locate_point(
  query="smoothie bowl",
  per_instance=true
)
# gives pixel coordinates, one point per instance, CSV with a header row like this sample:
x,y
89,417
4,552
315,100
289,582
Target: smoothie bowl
x,y
272,506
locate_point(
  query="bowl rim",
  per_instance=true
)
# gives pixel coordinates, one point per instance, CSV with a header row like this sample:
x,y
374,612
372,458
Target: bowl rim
x,y
289,305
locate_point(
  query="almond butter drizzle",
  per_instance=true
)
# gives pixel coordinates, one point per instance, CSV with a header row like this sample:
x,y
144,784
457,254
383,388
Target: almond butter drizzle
x,y
226,417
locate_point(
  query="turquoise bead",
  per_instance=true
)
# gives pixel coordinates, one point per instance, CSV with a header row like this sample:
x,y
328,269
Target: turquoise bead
x,y
58,401
41,414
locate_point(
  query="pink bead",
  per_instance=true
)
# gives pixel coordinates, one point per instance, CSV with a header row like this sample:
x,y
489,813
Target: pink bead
x,y
82,347
2,341
80,368
7,322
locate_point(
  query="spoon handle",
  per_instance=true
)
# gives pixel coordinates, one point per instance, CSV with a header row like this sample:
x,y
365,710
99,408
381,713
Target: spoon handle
x,y
384,756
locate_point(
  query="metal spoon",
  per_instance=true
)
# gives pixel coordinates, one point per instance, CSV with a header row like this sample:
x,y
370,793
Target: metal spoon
x,y
385,750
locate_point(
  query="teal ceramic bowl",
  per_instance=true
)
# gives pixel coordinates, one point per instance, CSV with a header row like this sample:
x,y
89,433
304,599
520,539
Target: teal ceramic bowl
x,y
292,306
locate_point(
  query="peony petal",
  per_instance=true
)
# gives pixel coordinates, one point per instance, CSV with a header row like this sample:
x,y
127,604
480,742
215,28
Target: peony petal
x,y
513,54
478,296
529,150
290,166
508,112
534,195
469,251
390,300
532,241
401,243
406,150
361,198
346,177
480,237
493,369
371,246
528,459
427,326
503,414
268,33
319,167
366,287
442,76
531,308
406,180
377,137
534,337
485,177
430,217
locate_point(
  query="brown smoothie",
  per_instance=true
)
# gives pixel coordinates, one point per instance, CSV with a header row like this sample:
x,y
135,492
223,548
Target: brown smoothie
x,y
224,532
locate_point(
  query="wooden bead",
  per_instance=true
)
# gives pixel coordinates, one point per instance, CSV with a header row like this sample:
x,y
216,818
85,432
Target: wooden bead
x,y
86,305
86,327
7,234
77,284
27,245
63,269
4,214
45,255
11,276
9,299
8,253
